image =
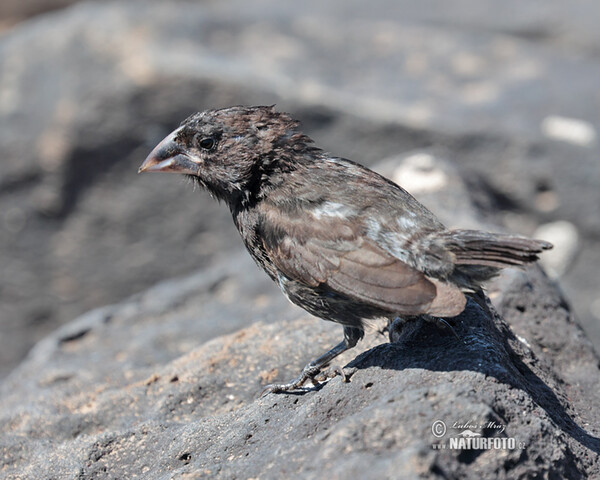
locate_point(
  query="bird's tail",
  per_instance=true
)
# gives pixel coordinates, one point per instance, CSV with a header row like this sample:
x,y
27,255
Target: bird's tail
x,y
496,250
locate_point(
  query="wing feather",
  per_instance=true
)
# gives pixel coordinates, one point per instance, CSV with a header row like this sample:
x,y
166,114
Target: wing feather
x,y
329,253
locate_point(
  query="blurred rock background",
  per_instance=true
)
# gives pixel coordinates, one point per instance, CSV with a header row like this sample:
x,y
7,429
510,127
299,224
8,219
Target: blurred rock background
x,y
508,91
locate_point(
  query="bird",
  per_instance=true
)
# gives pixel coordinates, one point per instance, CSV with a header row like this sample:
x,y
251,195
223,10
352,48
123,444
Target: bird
x,y
341,241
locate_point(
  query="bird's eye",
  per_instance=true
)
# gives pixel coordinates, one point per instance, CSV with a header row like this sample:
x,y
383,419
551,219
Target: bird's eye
x,y
207,143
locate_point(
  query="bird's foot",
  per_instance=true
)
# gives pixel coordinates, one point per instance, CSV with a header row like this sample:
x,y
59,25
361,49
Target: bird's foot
x,y
445,324
312,373
333,372
308,373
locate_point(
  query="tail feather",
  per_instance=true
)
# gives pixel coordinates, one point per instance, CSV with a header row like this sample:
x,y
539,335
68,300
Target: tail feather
x,y
497,250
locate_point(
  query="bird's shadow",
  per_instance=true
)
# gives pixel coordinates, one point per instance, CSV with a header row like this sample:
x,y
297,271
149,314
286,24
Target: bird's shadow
x,y
486,348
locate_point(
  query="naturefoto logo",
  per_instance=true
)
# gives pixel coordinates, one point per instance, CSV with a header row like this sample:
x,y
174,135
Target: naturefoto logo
x,y
465,437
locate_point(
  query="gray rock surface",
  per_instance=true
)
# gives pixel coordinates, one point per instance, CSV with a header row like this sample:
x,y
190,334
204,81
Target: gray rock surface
x,y
165,384
86,91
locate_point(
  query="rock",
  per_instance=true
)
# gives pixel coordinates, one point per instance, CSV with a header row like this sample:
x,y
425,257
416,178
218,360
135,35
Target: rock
x,y
571,130
166,385
86,92
565,238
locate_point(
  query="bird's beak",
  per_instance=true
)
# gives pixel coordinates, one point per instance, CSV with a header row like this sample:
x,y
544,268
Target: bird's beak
x,y
168,156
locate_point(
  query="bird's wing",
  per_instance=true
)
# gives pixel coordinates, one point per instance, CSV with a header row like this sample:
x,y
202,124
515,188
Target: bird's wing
x,y
332,252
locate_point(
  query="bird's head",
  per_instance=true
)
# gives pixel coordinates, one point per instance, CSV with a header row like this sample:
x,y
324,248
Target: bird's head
x,y
228,151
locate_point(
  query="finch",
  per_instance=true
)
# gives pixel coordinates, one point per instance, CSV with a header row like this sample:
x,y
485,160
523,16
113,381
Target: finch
x,y
340,240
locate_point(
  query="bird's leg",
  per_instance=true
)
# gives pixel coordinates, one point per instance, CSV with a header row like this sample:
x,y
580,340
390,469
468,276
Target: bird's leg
x,y
351,337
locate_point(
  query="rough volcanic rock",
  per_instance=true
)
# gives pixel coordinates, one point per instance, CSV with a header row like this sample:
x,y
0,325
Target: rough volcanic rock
x,y
507,91
165,385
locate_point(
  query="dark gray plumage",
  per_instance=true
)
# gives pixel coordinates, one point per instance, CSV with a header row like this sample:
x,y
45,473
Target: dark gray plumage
x,y
341,241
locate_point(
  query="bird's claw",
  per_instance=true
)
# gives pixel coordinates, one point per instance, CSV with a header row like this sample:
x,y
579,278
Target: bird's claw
x,y
445,324
333,372
308,373
314,374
